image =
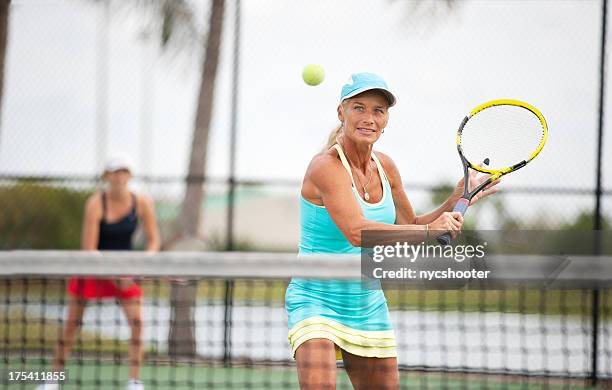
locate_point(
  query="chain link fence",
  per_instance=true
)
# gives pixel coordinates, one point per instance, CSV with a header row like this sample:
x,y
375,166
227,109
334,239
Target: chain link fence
x,y
86,79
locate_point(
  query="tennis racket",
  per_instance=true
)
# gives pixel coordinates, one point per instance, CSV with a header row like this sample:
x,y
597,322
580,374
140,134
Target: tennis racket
x,y
503,135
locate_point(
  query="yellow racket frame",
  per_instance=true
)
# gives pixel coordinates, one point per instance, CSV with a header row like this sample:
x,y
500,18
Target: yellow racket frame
x,y
496,173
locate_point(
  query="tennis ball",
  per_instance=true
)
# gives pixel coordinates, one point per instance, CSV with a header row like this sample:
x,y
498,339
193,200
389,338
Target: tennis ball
x,y
313,74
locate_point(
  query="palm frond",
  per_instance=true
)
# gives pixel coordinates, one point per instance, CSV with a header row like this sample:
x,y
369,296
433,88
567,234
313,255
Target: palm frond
x,y
173,20
426,14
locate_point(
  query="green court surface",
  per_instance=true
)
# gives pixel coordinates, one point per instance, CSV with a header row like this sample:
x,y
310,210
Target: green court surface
x,y
103,375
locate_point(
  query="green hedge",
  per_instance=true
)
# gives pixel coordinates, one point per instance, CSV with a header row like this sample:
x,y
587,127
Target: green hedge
x,y
34,216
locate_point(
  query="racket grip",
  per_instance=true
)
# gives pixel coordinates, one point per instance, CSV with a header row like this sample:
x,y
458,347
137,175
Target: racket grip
x,y
461,206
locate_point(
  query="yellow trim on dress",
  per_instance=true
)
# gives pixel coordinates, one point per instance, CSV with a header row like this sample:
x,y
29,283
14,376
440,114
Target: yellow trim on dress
x,y
375,343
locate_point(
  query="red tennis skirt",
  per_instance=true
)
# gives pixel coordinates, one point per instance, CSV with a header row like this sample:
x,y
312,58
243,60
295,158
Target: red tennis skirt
x,y
96,288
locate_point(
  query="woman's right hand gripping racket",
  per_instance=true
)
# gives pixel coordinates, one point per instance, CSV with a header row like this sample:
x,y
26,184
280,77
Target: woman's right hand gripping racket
x,y
504,135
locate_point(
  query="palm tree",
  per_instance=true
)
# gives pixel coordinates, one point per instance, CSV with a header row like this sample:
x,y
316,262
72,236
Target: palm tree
x,y
181,339
175,20
182,335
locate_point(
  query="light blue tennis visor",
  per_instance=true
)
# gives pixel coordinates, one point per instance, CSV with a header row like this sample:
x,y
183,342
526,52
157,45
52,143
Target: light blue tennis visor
x,y
361,82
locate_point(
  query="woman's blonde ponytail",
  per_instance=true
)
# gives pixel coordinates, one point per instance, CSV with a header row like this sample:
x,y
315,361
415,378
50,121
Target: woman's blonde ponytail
x,y
334,135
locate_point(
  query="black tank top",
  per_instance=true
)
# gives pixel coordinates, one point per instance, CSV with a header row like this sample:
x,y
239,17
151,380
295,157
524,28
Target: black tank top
x,y
117,235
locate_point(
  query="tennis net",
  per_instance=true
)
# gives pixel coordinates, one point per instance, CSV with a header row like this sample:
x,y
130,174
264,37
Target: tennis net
x,y
216,320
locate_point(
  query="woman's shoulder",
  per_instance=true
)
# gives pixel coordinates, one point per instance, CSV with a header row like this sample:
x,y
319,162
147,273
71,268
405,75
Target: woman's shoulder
x,y
386,161
93,204
383,157
142,197
94,199
389,167
324,162
143,202
325,172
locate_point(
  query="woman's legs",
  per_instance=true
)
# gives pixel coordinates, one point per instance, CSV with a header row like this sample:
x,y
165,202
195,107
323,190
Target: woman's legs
x,y
76,308
371,373
133,313
316,364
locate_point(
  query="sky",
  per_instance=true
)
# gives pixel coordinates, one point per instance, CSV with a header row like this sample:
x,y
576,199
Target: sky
x,y
440,65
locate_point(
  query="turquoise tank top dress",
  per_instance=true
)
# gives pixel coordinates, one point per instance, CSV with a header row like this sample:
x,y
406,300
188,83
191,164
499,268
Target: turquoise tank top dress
x,y
355,318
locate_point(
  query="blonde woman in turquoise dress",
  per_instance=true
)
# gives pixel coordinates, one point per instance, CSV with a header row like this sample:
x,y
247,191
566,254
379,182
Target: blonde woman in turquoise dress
x,y
349,188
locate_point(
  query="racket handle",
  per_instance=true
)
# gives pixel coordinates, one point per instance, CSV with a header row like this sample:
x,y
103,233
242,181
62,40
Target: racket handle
x,y
461,206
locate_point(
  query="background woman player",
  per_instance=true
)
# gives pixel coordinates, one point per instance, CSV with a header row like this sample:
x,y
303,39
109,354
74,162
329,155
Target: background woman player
x,y
349,188
110,219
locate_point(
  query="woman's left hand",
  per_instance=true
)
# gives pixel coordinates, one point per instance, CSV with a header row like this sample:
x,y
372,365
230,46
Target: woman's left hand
x,y
475,181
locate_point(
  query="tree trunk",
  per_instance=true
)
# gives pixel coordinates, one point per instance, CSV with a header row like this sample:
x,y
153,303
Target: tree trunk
x,y
4,28
182,335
